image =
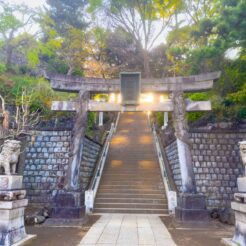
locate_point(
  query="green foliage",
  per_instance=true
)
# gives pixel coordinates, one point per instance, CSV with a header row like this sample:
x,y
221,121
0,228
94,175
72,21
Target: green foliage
x,y
2,68
67,14
91,123
202,96
159,118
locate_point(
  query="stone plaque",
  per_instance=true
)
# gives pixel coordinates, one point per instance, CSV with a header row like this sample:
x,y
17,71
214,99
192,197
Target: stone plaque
x,y
130,88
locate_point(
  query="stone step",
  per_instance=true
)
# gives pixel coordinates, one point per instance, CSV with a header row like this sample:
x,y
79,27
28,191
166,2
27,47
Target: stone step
x,y
132,200
131,191
131,211
134,173
133,186
132,176
131,205
129,196
130,182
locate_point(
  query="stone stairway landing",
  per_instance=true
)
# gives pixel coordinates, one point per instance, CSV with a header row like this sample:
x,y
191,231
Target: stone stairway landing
x,y
131,180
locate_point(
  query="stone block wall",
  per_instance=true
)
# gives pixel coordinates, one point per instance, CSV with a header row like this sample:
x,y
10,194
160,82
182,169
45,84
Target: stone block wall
x,y
90,155
216,164
173,159
46,164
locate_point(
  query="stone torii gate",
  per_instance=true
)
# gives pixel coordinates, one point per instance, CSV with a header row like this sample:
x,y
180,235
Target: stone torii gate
x,y
131,84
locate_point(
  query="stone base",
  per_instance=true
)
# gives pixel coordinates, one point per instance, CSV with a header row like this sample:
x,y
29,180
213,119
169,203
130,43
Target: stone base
x,y
191,207
12,234
10,182
228,242
13,204
25,240
240,226
12,225
68,206
68,212
53,222
241,184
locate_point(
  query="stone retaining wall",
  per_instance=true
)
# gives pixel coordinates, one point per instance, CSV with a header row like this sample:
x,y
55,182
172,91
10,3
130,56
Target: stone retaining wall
x,y
46,164
90,156
216,163
173,159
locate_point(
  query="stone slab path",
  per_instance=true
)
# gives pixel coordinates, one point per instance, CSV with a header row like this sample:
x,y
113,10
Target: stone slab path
x,y
128,230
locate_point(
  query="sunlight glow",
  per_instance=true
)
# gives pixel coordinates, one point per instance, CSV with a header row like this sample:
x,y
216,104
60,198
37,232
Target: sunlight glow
x,y
233,53
146,98
161,98
112,97
119,99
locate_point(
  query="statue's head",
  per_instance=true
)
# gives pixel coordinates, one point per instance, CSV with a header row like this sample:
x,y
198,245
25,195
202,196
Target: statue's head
x,y
13,145
242,145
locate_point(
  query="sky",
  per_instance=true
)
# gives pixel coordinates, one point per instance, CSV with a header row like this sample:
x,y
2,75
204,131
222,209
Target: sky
x,y
30,3
39,3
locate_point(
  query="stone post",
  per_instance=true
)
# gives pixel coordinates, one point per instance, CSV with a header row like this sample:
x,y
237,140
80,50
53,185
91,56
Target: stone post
x,y
100,123
165,120
12,197
67,203
191,206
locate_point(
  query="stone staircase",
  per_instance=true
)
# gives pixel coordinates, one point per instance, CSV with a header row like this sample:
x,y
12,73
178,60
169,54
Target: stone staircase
x,y
131,180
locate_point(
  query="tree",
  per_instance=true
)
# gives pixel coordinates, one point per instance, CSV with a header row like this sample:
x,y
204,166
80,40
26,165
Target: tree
x,y
12,29
67,14
63,43
144,20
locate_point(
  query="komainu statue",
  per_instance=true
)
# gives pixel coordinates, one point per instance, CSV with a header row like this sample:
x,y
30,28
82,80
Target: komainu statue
x,y
10,155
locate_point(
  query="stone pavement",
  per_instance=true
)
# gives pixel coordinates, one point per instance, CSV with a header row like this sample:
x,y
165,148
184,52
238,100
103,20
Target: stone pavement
x,y
128,230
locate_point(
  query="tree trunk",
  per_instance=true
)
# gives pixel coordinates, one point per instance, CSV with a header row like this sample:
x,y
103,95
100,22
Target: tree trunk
x,y
77,143
70,71
9,53
146,62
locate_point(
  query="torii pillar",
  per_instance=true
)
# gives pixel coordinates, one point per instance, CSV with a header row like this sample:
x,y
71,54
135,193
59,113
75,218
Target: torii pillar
x,y
191,206
68,202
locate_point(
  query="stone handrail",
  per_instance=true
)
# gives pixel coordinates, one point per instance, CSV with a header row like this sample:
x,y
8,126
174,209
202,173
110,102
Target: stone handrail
x,y
90,194
170,188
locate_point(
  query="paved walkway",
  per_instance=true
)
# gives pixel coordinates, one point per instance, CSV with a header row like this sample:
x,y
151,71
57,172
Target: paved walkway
x,y
128,230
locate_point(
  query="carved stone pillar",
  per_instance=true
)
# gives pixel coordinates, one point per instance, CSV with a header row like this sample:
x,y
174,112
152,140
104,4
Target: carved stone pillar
x,y
68,203
183,142
191,206
77,142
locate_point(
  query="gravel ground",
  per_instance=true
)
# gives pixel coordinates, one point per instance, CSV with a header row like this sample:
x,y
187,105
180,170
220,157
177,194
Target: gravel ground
x,y
59,236
198,234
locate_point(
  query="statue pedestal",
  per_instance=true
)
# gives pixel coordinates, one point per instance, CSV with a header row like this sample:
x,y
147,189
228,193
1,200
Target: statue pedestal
x,y
240,227
67,205
191,207
241,184
12,207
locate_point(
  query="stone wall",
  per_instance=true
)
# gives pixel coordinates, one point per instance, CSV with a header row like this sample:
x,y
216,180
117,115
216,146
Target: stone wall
x,y
90,155
173,159
216,164
46,164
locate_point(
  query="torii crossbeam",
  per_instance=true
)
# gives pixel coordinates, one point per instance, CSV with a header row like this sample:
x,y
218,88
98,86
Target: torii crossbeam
x,y
167,85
